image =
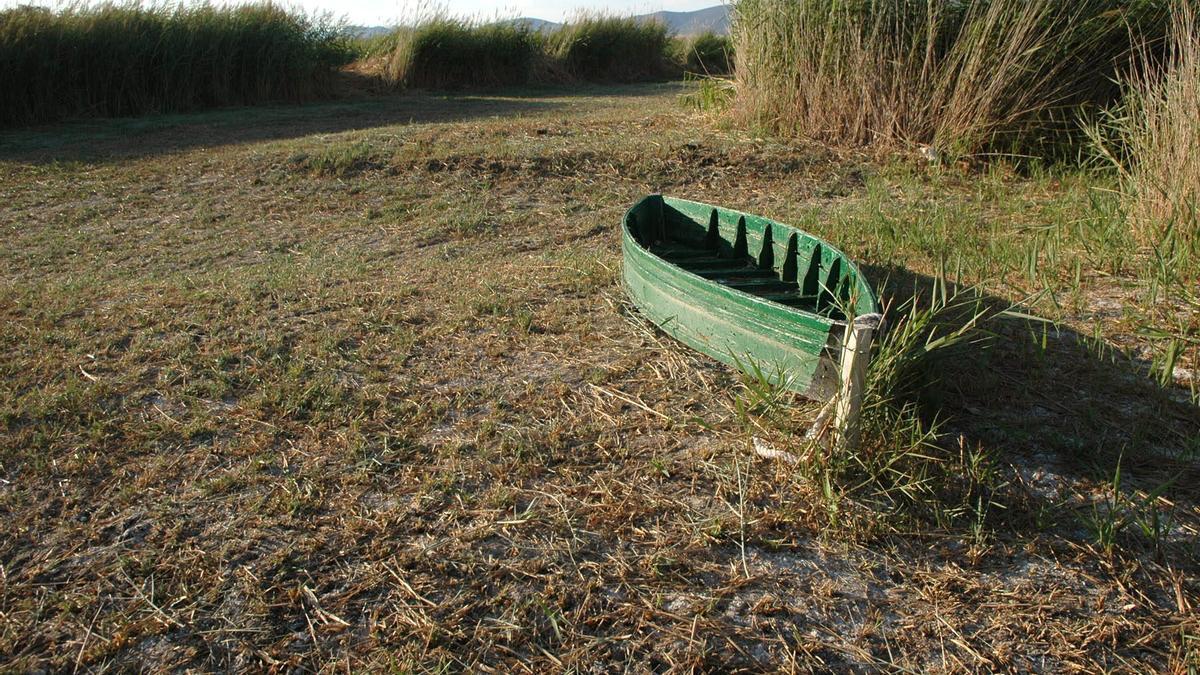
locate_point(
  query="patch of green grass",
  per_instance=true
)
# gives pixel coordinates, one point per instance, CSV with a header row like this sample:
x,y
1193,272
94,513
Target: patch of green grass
x,y
343,160
711,94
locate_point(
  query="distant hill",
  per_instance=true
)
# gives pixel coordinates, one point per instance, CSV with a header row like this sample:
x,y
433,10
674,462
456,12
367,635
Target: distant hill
x,y
683,24
537,25
368,32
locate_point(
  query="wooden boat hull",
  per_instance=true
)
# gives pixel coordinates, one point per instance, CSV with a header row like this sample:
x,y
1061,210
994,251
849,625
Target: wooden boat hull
x,y
747,291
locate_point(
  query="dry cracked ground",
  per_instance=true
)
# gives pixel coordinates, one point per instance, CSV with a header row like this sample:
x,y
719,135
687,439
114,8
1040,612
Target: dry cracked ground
x,y
354,386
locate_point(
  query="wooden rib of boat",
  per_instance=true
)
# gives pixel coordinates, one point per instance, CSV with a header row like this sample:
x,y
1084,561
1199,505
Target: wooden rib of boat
x,y
748,290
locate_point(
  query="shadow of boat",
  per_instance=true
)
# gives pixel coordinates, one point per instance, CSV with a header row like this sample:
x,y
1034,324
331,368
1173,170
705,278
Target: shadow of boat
x,y
1053,402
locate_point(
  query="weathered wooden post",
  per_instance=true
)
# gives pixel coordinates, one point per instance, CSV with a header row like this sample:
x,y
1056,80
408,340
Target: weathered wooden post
x,y
856,355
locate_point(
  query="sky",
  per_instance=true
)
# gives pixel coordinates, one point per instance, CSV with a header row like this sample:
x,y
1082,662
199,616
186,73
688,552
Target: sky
x,y
388,12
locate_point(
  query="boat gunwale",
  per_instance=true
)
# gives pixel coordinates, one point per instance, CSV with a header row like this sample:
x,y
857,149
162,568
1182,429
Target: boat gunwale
x,y
780,329
807,337
738,295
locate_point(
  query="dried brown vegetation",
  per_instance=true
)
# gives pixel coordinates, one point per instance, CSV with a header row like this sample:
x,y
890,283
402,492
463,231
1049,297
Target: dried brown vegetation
x,y
1153,139
355,386
959,77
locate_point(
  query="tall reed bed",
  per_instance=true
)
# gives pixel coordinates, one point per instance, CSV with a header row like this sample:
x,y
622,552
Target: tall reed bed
x,y
611,49
704,54
446,53
1153,138
962,77
130,59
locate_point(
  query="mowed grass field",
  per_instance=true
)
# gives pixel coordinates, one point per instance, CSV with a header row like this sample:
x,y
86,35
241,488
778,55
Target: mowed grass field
x,y
354,386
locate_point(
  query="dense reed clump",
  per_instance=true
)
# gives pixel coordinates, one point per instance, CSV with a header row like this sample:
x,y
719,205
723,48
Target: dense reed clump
x,y
445,53
962,77
1153,137
706,54
611,49
448,53
130,59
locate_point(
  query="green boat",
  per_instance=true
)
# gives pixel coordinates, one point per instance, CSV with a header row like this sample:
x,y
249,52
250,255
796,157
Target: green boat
x,y
748,290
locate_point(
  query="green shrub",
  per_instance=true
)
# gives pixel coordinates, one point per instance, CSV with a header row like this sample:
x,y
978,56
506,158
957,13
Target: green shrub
x,y
131,59
611,49
449,53
708,54
962,77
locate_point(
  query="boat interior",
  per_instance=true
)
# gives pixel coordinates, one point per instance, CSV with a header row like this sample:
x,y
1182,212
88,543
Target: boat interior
x,y
798,272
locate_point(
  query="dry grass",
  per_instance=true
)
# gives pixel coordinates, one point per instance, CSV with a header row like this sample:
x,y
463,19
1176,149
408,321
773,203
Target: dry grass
x,y
1154,140
355,386
958,77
